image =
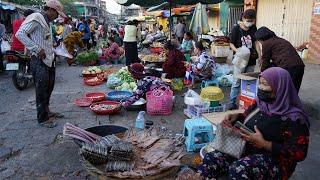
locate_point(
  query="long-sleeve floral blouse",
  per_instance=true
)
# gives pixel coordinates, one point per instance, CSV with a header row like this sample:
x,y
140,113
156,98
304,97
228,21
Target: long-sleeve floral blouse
x,y
290,140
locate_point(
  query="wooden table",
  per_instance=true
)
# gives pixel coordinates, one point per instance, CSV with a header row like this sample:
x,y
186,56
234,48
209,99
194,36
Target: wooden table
x,y
217,117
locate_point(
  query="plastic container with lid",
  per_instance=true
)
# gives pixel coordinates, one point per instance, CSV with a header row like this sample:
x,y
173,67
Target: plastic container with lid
x,y
212,94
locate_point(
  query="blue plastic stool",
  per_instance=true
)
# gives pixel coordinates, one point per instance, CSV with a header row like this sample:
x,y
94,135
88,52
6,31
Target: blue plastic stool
x,y
210,82
198,133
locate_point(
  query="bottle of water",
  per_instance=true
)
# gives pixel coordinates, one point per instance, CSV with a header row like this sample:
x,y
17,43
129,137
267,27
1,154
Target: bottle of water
x,y
140,123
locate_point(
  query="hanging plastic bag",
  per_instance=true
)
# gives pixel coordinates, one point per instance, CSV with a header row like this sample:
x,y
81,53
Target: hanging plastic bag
x,y
5,46
61,50
241,58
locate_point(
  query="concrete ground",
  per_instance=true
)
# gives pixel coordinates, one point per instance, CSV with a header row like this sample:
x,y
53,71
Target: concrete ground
x,y
28,151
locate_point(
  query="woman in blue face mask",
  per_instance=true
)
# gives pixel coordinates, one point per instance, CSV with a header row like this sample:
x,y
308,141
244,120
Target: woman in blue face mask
x,y
280,138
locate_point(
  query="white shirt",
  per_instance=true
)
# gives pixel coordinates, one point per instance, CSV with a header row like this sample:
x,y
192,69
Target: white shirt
x,y
130,33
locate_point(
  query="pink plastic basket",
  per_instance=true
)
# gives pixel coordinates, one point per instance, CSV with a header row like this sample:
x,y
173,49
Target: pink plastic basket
x,y
159,102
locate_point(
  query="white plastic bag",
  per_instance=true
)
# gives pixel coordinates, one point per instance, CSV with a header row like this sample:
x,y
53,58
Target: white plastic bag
x,y
241,58
62,51
192,98
5,46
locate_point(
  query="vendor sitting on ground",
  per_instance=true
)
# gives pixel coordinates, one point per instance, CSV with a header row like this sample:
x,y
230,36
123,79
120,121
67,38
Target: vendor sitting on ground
x,y
72,42
187,44
113,53
144,84
174,64
204,66
280,139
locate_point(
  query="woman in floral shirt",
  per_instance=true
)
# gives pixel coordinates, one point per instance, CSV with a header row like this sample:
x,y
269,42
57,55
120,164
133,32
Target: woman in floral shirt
x,y
144,84
281,135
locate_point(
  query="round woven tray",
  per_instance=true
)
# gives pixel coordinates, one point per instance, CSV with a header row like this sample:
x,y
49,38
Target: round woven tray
x,y
99,174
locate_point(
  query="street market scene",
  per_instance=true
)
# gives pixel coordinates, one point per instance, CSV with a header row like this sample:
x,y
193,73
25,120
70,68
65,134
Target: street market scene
x,y
160,89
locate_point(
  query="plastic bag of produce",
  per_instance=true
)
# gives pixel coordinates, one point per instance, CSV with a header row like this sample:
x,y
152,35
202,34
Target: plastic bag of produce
x,y
177,84
222,69
225,80
113,81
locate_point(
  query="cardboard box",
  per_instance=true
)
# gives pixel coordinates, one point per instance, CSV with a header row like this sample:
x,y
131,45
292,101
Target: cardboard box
x,y
246,102
217,117
249,84
220,51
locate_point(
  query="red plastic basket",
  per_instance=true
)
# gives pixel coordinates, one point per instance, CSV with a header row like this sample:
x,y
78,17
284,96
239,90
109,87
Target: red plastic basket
x,y
159,102
93,83
116,109
83,102
96,96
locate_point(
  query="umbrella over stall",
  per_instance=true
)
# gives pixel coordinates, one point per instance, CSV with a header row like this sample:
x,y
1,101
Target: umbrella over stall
x,y
199,24
164,3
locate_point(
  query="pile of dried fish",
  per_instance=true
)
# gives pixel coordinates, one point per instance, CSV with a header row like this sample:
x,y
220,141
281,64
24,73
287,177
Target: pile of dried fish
x,y
101,150
139,154
155,152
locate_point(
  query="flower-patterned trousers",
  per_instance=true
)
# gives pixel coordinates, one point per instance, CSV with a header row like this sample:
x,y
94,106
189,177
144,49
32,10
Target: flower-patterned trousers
x,y
257,166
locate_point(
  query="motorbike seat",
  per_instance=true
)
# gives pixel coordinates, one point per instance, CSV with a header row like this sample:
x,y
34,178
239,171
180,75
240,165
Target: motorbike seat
x,y
15,53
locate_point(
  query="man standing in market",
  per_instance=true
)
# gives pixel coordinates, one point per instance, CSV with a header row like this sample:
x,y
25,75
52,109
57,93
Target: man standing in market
x,y
36,35
180,30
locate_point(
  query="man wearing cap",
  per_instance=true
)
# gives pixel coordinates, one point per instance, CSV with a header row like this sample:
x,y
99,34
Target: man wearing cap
x,y
36,35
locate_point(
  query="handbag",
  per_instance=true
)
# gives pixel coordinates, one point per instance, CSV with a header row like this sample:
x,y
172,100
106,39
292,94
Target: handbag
x,y
253,52
228,139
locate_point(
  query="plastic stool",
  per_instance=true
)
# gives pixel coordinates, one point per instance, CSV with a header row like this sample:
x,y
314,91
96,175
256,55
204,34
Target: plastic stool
x,y
198,133
206,83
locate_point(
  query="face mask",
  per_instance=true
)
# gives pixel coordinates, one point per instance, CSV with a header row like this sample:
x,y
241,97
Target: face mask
x,y
248,24
265,96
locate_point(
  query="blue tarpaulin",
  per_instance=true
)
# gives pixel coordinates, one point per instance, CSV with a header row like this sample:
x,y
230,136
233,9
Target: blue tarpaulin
x,y
7,7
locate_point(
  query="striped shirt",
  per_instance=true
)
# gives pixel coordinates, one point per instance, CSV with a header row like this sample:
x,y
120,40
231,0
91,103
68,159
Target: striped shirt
x,y
35,37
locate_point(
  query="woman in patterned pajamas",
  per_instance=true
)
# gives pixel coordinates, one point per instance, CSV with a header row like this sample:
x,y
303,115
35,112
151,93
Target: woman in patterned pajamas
x,y
281,135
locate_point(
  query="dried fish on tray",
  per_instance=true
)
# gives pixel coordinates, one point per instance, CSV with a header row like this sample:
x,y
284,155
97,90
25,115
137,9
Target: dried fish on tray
x,y
155,155
94,153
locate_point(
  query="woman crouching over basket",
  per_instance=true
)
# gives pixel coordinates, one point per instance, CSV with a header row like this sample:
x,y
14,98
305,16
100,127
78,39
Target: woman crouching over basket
x,y
280,135
144,84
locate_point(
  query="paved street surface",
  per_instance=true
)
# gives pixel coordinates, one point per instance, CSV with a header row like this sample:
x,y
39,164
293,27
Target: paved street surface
x,y
28,151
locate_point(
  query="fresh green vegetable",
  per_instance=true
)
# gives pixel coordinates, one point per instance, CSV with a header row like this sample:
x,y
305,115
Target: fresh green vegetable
x,y
87,56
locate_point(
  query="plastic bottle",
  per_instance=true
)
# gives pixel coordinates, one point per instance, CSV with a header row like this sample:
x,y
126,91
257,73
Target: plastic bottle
x,y
140,123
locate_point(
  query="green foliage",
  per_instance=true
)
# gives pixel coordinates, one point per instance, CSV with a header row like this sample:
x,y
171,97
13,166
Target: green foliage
x,y
87,56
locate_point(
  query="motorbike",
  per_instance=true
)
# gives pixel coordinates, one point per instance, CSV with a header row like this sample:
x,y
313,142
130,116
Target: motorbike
x,y
20,65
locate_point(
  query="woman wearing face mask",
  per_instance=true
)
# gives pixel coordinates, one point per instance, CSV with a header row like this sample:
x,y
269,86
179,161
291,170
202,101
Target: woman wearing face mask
x,y
282,53
243,35
280,139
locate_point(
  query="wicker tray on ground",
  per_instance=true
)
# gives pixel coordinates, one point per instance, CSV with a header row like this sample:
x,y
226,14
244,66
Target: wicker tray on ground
x,y
101,175
156,156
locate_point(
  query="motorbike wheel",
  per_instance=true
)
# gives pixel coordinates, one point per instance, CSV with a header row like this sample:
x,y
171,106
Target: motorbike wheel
x,y
20,81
